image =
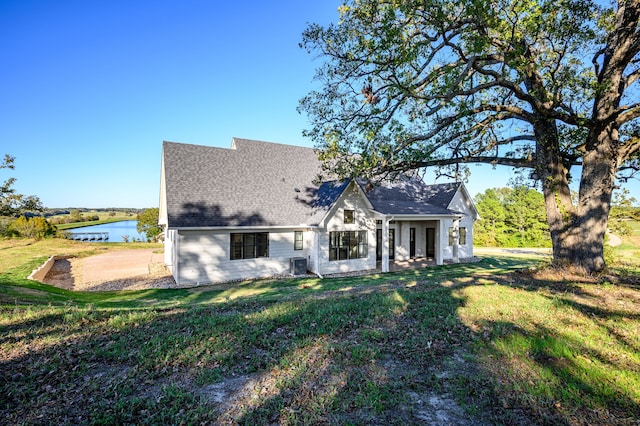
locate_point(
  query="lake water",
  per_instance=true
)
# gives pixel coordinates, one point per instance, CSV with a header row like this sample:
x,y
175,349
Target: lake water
x,y
116,230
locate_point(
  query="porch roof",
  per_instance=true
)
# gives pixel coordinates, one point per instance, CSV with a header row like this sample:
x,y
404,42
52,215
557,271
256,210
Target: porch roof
x,y
409,196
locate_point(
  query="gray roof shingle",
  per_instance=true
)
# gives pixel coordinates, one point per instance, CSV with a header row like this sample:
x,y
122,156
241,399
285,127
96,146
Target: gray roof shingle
x,y
268,184
252,184
411,196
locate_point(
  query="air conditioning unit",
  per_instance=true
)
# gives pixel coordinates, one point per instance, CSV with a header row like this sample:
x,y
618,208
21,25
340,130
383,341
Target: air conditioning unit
x,y
298,266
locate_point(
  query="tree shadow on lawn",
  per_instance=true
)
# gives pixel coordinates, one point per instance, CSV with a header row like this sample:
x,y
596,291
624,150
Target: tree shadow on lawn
x,y
570,347
398,349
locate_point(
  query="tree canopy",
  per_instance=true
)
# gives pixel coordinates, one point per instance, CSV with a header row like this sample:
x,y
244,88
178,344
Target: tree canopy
x,y
148,223
11,203
541,85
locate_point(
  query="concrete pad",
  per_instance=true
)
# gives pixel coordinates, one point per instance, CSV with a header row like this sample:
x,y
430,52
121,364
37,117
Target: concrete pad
x,y
119,264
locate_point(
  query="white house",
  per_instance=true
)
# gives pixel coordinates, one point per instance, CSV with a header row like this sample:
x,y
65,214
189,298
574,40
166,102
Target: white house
x,y
258,209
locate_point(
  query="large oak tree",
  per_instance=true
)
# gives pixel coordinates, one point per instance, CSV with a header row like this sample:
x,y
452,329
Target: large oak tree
x,y
545,86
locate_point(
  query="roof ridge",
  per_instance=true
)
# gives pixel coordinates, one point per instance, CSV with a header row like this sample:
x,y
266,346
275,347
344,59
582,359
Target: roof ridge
x,y
194,145
256,141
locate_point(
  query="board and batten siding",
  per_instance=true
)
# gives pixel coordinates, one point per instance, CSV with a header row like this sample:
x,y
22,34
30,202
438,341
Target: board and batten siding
x,y
464,250
364,220
205,256
461,203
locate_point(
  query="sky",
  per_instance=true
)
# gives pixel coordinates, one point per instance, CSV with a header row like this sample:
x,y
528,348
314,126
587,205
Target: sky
x,y
90,89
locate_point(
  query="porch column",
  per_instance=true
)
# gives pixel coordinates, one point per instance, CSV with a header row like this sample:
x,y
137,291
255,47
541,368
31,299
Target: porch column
x,y
456,240
385,244
438,242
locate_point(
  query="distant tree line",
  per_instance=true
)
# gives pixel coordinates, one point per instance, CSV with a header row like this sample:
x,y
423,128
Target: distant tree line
x,y
511,217
516,217
48,212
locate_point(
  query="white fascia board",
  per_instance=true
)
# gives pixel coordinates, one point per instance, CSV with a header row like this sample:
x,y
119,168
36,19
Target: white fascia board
x,y
244,228
465,192
332,209
417,216
162,210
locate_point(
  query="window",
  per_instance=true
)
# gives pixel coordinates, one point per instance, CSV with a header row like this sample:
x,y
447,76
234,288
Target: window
x,y
348,216
297,240
348,245
462,236
249,245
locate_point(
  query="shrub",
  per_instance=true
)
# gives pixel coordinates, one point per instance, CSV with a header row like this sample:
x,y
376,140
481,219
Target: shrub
x,y
34,227
620,227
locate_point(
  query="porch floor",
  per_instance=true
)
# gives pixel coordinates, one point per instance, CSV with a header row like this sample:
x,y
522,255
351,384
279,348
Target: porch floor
x,y
401,265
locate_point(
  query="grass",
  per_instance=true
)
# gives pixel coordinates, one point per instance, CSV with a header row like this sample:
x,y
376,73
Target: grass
x,y
500,341
629,251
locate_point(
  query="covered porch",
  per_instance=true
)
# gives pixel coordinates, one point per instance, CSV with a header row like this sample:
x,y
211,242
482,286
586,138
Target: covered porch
x,y
416,241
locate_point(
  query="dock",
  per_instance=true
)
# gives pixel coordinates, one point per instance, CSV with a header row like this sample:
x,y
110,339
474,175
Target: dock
x,y
88,236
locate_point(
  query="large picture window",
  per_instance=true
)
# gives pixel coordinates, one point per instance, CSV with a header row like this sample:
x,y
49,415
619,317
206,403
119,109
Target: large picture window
x,y
249,245
348,245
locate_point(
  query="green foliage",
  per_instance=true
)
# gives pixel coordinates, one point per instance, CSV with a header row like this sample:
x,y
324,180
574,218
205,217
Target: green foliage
x,y
418,83
148,223
32,227
622,205
406,85
511,218
12,204
622,211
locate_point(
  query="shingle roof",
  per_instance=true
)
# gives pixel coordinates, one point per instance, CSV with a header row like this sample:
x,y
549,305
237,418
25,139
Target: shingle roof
x,y
411,196
252,184
268,184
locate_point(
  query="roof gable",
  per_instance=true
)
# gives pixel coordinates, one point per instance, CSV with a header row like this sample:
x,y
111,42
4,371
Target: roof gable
x,y
411,196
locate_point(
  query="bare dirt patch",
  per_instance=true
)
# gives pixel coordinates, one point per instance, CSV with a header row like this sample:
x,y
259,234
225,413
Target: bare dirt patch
x,y
69,275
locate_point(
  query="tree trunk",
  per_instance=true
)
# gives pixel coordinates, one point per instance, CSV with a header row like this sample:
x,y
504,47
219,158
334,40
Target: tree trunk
x,y
596,187
577,235
601,157
561,213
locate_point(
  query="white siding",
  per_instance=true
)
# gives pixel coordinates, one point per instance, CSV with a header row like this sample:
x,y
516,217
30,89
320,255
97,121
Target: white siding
x,y
205,257
464,250
462,204
364,221
170,248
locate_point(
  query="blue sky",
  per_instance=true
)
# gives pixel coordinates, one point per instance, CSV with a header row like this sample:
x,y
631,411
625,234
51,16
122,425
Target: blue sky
x,y
90,89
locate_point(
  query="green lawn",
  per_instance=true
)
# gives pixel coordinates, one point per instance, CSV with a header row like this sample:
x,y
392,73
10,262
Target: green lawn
x,y
500,341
